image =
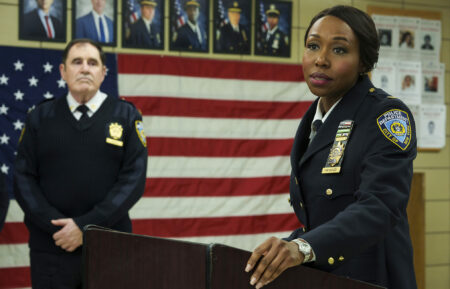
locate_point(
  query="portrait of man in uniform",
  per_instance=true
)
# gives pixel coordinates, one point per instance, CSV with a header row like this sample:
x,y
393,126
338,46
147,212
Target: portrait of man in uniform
x,y
95,20
232,22
143,24
273,28
189,22
42,20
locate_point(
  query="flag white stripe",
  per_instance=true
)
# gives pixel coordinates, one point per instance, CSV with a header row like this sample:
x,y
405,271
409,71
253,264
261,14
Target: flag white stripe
x,y
197,207
15,213
219,128
194,207
14,255
217,167
17,255
212,88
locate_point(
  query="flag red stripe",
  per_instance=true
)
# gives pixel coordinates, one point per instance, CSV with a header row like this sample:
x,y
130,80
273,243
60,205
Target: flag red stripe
x,y
189,147
221,226
14,233
197,67
17,277
190,227
172,106
215,187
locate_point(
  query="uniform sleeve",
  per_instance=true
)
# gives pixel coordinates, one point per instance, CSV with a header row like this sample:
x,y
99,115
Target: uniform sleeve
x,y
26,181
380,200
130,183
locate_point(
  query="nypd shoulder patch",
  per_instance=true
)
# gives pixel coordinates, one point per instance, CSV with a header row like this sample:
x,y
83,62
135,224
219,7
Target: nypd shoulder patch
x,y
140,132
396,127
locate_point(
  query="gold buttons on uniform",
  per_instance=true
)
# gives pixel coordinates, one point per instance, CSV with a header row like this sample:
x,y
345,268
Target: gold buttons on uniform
x,y
329,192
296,182
372,89
301,205
341,258
304,230
331,260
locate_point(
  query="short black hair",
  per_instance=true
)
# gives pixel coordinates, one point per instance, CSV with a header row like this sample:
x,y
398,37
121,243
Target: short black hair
x,y
83,40
363,27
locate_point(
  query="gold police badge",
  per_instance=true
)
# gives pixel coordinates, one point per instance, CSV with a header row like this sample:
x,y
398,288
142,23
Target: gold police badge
x,y
115,134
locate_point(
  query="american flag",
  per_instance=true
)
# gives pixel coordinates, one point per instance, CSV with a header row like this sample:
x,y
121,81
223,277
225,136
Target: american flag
x,y
178,15
262,13
222,19
219,135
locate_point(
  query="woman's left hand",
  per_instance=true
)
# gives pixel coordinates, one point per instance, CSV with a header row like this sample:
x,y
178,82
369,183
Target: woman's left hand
x,y
277,256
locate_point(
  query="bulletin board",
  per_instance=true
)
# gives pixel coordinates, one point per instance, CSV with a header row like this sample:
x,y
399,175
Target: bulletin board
x,y
431,133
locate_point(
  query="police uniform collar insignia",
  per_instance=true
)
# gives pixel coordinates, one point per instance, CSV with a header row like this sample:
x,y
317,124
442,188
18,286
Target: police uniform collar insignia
x,y
396,127
115,132
336,156
140,132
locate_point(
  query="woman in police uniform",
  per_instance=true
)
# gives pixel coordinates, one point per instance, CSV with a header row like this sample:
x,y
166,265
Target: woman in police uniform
x,y
351,176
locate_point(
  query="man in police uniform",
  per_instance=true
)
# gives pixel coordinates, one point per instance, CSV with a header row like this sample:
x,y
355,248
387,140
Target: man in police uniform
x,y
191,36
233,37
81,160
144,34
274,41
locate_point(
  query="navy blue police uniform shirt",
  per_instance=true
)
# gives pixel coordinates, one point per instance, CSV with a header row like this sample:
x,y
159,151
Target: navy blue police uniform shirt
x,y
351,195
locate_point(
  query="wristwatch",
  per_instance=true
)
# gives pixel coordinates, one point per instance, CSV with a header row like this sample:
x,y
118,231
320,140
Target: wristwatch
x,y
304,248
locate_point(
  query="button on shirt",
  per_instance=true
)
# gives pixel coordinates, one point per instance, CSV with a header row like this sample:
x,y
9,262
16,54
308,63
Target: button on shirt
x,y
93,104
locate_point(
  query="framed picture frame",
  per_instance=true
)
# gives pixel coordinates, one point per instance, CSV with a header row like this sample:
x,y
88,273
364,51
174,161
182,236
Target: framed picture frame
x,y
189,25
273,28
42,20
87,16
232,26
143,24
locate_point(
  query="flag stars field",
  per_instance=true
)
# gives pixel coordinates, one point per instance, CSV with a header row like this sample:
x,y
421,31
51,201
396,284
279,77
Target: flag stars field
x,y
18,65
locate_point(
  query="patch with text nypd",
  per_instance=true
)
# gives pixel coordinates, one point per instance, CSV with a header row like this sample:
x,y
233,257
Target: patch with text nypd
x,y
396,127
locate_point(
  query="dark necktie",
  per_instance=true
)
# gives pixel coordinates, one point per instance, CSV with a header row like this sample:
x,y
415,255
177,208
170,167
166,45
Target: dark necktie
x,y
84,116
315,128
102,31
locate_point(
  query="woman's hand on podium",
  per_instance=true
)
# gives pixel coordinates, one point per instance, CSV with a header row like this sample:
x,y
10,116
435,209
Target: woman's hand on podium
x,y
274,255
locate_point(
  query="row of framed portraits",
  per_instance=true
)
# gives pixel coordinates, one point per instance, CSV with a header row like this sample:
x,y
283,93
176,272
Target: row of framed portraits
x,y
143,24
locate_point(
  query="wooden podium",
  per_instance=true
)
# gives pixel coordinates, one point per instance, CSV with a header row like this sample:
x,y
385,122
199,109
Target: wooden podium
x,y
120,260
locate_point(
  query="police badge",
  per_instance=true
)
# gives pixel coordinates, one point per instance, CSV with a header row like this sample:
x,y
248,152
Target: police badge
x,y
334,161
115,133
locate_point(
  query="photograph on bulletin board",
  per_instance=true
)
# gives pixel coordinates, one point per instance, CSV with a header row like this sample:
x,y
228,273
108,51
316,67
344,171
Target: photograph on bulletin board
x,y
232,26
96,20
189,25
42,20
273,22
143,24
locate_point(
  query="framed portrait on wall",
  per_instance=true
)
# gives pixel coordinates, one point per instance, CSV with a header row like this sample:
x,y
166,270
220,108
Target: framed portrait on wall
x,y
232,26
189,25
42,20
273,22
96,20
143,24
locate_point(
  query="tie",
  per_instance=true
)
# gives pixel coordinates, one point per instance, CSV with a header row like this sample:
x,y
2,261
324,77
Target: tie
x,y
84,116
315,128
102,31
49,30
